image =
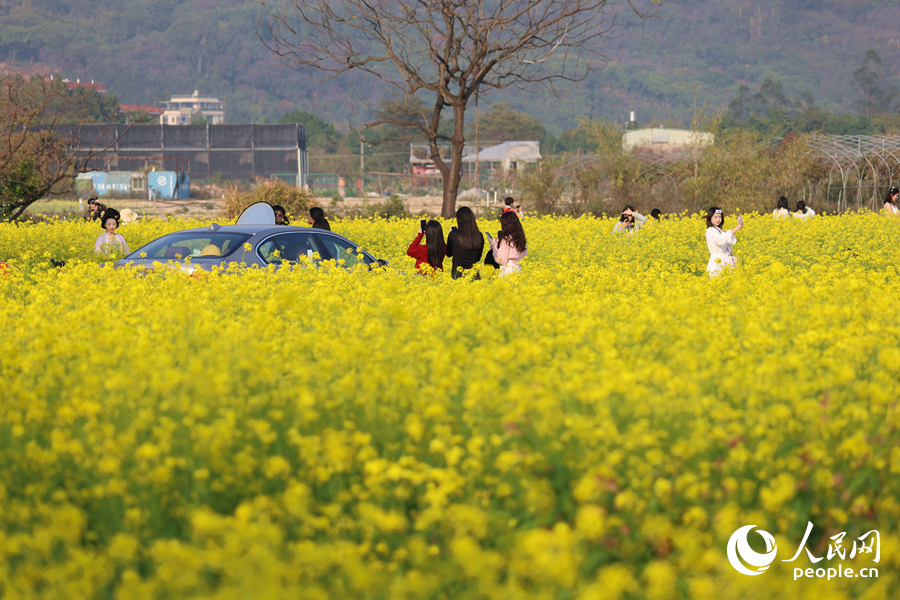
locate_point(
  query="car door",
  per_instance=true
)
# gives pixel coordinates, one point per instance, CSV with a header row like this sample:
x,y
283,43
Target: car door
x,y
289,248
340,249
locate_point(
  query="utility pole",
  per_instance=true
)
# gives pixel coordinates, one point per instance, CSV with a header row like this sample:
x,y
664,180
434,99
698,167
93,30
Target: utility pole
x,y
362,158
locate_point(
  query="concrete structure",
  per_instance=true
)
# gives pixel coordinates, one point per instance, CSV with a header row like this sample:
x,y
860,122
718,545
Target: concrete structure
x,y
180,109
664,141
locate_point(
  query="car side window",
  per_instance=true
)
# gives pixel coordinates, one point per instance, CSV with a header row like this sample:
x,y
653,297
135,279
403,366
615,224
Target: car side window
x,y
289,247
342,250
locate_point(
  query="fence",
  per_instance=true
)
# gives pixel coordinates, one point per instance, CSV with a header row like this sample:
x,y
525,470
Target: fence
x,y
230,151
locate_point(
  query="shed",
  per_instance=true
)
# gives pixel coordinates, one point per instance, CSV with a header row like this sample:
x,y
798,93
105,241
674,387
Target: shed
x,y
508,154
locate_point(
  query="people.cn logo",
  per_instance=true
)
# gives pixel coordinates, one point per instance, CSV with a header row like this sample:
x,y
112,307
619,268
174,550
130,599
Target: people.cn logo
x,y
739,550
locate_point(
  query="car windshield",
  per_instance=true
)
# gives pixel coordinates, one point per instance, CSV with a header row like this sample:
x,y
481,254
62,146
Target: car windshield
x,y
199,245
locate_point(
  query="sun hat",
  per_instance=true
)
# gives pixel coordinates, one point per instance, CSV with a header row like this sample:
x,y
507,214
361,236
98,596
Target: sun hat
x,y
129,216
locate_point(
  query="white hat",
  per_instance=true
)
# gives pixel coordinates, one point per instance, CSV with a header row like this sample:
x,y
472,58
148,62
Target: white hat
x,y
129,216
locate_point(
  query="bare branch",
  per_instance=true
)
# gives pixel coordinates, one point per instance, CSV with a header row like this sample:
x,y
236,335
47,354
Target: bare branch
x,y
453,49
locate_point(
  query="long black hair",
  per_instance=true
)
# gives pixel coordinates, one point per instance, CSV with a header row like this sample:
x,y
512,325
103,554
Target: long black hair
x,y
467,234
434,239
801,207
511,231
782,203
890,196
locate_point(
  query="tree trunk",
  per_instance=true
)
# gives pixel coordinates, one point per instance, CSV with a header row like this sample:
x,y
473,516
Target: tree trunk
x,y
451,176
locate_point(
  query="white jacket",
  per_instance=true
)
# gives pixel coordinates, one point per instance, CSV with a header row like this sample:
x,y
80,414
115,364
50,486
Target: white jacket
x,y
719,243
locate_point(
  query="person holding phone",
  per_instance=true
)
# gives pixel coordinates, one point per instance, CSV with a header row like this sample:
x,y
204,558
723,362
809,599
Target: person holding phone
x,y
429,257
719,242
510,247
465,244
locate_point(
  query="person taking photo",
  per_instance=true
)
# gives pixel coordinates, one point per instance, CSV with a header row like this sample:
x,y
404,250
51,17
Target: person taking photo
x,y
719,242
630,221
429,257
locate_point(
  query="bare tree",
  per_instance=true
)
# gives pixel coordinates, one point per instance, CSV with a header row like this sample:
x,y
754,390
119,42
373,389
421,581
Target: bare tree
x,y
40,147
453,49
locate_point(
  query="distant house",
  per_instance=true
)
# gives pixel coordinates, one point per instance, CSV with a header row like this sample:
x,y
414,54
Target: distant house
x,y
420,160
180,109
141,113
84,85
508,156
664,141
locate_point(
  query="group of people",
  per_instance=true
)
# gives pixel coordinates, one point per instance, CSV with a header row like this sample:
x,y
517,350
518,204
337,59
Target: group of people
x,y
782,211
465,244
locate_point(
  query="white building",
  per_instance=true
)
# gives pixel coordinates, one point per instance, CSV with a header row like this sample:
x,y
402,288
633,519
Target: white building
x,y
665,141
508,156
180,109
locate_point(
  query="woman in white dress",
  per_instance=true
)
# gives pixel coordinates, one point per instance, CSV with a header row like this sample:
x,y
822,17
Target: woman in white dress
x,y
890,202
803,211
719,242
782,211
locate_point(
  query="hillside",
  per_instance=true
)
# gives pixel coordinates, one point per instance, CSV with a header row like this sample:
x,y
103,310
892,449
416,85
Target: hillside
x,y
695,52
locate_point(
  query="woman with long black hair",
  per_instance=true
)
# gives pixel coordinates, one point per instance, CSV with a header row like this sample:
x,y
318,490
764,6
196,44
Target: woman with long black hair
x,y
782,211
429,257
890,202
719,242
465,244
510,247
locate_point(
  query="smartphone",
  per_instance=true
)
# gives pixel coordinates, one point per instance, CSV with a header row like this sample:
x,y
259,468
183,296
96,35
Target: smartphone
x,y
490,237
740,220
453,228
422,225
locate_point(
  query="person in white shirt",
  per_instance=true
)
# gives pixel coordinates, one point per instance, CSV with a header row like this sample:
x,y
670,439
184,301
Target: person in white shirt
x,y
890,202
630,221
719,242
803,211
782,211
110,241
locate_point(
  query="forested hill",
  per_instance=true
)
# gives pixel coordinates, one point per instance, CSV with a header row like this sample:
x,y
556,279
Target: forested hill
x,y
697,51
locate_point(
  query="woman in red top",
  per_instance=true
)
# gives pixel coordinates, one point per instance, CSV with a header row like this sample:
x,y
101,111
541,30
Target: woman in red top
x,y
433,252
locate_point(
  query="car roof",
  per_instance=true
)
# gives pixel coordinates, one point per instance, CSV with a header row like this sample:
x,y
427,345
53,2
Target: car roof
x,y
259,229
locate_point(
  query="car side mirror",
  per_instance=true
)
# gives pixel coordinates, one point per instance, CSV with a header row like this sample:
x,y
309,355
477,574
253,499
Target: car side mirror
x,y
382,262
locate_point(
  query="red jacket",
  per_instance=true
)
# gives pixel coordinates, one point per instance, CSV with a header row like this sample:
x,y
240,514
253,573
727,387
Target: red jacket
x,y
420,253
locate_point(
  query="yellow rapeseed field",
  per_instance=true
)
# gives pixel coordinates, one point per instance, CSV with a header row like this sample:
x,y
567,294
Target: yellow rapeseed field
x,y
593,428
